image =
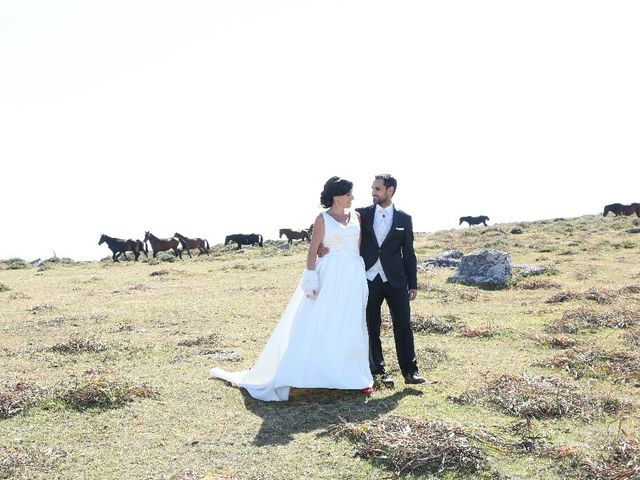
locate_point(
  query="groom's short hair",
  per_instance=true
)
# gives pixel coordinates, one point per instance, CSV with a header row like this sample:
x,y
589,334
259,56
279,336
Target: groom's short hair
x,y
388,181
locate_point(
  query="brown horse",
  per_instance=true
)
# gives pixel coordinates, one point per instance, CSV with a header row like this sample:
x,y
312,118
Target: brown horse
x,y
162,244
191,243
294,234
620,209
119,246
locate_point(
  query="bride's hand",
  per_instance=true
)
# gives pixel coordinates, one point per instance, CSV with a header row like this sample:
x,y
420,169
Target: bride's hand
x,y
310,284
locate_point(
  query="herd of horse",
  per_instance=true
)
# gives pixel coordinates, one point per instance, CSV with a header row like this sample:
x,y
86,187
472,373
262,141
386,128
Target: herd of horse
x,y
119,246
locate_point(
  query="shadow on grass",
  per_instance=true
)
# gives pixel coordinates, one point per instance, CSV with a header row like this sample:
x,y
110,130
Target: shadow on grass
x,y
317,409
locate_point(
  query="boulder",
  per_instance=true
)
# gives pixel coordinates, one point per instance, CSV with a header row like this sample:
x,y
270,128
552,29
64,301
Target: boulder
x,y
448,259
486,268
634,230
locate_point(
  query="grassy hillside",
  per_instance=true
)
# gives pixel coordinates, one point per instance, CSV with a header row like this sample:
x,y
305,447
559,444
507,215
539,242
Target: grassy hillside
x,y
104,367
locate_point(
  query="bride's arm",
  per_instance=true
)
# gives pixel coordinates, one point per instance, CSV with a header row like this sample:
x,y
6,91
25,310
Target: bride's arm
x,y
316,240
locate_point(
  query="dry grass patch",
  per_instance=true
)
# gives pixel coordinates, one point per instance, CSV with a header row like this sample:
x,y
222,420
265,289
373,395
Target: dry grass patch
x,y
211,340
157,273
622,365
17,463
629,289
434,323
620,460
43,307
563,296
536,284
574,320
405,445
79,344
100,393
555,341
484,331
18,398
602,296
539,397
633,337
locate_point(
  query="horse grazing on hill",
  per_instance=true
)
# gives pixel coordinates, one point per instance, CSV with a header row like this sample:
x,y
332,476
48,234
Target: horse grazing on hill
x,y
620,209
119,246
242,239
294,234
191,243
475,220
162,244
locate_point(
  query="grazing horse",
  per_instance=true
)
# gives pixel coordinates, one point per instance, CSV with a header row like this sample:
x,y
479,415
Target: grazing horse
x,y
119,246
294,234
475,220
242,239
162,244
620,209
188,243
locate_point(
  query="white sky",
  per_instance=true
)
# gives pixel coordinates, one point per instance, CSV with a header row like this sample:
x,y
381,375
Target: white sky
x,y
218,117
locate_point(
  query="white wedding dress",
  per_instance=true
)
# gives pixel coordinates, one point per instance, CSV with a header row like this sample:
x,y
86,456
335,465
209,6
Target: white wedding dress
x,y
321,343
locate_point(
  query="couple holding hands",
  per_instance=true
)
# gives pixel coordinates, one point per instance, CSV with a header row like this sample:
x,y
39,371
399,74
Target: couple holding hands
x,y
329,333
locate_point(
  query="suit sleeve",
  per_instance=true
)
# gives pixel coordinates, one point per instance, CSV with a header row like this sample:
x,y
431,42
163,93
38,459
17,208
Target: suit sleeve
x,y
409,256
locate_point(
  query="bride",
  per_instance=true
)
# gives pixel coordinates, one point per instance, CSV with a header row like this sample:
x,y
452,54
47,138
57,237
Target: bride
x,y
321,338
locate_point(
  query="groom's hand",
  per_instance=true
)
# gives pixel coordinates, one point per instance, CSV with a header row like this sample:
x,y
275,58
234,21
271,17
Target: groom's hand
x,y
413,293
322,250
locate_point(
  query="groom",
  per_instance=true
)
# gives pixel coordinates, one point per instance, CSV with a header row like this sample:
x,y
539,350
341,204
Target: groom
x,y
387,249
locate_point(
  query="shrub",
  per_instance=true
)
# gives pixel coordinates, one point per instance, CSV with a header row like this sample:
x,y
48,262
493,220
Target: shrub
x,y
14,264
100,393
4,288
539,397
420,446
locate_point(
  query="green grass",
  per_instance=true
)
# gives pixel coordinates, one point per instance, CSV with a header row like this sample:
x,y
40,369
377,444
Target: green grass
x,y
163,325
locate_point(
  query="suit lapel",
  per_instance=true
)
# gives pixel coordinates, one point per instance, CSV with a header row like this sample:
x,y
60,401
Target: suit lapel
x,y
370,219
394,222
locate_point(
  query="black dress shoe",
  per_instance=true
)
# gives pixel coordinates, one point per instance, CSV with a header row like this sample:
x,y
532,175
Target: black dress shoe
x,y
413,378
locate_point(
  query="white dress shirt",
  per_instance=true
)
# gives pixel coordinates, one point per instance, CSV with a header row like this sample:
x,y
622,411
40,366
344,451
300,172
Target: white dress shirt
x,y
382,220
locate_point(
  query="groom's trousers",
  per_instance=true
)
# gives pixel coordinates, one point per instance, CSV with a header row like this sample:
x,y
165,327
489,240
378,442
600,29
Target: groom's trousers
x,y
398,302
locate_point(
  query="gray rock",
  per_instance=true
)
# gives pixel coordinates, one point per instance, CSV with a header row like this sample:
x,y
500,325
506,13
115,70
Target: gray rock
x,y
448,259
634,230
526,270
284,246
486,268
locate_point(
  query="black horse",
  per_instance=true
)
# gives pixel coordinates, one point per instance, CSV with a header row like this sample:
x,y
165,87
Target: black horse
x,y
475,220
242,239
191,243
119,246
294,234
620,209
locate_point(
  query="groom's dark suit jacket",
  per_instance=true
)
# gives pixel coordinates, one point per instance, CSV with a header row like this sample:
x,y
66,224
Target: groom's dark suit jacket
x,y
396,252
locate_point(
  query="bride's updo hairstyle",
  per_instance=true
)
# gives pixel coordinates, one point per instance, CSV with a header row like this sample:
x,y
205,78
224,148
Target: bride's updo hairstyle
x,y
334,187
